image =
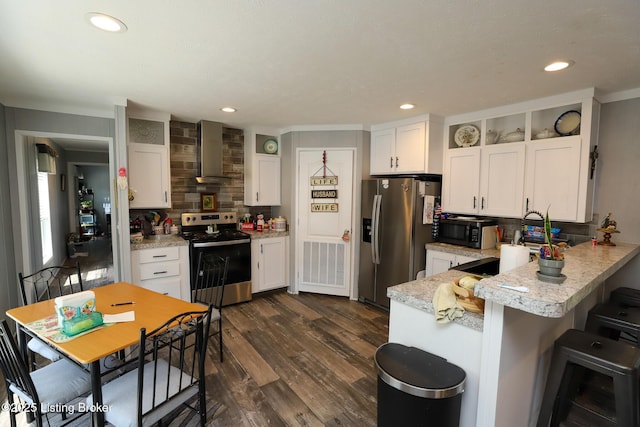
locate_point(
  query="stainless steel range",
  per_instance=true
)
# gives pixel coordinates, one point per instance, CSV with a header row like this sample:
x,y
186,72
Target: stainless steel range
x,y
215,233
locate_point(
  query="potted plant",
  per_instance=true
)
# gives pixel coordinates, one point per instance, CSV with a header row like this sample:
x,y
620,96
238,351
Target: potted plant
x,y
551,260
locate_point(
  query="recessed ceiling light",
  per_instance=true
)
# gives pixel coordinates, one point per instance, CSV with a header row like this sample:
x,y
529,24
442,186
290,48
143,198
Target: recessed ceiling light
x,y
228,109
106,22
407,106
558,65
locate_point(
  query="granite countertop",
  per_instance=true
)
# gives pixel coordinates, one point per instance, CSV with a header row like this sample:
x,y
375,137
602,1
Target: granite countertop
x,y
461,250
265,234
161,242
419,293
586,267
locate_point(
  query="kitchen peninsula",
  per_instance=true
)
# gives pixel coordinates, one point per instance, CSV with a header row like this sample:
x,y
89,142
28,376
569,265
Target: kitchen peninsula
x,y
506,352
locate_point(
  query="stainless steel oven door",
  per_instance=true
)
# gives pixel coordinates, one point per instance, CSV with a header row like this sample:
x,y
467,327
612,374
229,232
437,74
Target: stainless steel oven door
x,y
238,286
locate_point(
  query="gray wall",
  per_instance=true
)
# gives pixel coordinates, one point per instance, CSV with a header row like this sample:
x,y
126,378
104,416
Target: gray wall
x,y
8,278
618,179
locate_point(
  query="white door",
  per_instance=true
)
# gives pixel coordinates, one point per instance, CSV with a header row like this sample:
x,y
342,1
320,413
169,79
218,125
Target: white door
x,y
325,216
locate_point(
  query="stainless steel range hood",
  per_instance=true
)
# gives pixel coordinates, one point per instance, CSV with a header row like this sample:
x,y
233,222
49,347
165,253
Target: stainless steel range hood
x,y
210,145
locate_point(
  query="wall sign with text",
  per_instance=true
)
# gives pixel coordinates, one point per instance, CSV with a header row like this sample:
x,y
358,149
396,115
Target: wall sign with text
x,y
324,193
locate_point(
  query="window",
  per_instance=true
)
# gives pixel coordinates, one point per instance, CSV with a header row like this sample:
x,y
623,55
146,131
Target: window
x,y
45,217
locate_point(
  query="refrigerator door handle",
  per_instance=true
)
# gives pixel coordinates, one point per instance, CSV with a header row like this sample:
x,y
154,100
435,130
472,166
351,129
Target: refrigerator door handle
x,y
375,228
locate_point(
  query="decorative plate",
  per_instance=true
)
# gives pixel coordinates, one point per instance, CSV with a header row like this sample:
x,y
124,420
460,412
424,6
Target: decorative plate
x,y
270,146
568,123
467,135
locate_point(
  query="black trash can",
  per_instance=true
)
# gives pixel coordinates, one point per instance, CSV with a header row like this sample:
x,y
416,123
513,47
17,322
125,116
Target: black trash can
x,y
416,388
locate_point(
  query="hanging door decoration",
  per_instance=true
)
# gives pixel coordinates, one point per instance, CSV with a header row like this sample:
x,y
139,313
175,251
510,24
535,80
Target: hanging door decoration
x,y
323,188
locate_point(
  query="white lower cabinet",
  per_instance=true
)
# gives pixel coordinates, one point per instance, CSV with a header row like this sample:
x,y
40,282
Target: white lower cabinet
x,y
164,270
269,258
439,262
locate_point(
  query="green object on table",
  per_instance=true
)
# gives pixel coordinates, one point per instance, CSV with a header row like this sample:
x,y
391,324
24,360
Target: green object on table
x,y
82,323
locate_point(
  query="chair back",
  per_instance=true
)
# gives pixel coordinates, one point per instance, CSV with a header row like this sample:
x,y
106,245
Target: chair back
x,y
210,280
171,367
50,282
14,369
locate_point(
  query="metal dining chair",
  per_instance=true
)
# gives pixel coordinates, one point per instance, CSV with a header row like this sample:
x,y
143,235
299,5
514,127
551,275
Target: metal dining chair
x,y
169,374
210,281
45,284
55,385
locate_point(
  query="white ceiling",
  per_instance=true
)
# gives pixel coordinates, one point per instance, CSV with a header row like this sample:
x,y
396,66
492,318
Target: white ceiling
x,y
283,63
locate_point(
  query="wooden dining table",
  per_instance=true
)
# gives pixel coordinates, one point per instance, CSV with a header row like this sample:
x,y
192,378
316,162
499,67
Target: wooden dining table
x,y
151,309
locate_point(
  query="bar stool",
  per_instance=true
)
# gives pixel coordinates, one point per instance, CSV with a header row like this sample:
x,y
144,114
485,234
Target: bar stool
x,y
577,352
625,297
616,322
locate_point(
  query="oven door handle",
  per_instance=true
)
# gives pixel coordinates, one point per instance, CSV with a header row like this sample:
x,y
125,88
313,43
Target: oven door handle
x,y
226,243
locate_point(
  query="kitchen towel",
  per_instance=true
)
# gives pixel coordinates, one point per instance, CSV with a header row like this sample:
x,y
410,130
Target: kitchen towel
x,y
445,305
427,210
512,256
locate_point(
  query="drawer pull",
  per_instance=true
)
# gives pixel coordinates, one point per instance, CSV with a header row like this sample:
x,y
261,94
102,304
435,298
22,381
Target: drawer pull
x,y
160,272
160,256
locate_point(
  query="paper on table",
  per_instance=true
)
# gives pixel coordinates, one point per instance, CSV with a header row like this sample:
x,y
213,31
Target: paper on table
x,y
127,316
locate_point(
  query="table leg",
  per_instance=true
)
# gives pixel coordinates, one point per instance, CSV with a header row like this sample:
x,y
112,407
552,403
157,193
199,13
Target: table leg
x,y
96,389
22,344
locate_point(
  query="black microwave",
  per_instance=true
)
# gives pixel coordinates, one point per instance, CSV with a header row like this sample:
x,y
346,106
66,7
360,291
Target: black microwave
x,y
476,233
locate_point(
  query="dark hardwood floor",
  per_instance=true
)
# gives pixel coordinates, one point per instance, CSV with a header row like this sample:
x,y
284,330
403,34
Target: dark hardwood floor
x,y
297,360
293,360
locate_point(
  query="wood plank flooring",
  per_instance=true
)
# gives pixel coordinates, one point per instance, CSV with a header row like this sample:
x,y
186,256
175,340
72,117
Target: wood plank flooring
x,y
292,360
295,360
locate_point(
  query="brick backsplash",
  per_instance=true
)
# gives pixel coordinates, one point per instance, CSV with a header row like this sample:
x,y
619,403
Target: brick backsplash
x,y
185,167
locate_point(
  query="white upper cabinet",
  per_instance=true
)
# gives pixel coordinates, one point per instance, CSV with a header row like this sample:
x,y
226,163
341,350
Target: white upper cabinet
x,y
463,169
502,180
535,155
407,146
553,178
148,159
261,167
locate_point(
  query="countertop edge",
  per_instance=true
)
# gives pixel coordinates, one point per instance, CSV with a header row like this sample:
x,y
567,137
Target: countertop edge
x,y
256,235
164,242
461,250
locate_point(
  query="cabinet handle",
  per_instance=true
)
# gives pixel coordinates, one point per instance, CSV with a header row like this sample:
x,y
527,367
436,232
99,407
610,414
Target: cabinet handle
x,y
527,206
261,248
474,202
160,272
391,162
160,256
396,162
257,198
482,203
165,197
450,264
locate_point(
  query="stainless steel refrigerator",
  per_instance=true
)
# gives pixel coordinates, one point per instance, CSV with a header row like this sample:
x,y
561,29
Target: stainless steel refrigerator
x,y
392,247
